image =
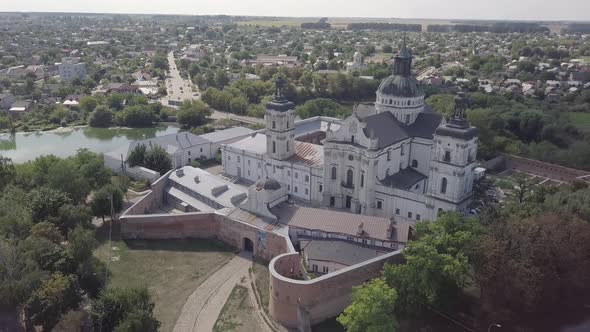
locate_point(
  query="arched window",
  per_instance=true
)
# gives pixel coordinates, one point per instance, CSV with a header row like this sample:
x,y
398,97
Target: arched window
x,y
409,103
443,186
349,175
362,179
414,163
334,173
447,156
287,146
274,147
274,125
407,118
388,155
402,149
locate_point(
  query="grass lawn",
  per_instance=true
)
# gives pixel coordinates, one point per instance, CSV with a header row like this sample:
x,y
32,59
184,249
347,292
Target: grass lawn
x,y
581,120
238,313
171,269
262,279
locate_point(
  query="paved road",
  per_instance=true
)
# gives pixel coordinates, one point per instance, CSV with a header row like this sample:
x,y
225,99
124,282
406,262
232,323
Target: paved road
x,y
202,308
178,88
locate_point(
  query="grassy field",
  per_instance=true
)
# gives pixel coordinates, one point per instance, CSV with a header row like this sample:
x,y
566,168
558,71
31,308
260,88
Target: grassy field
x,y
581,120
261,276
171,269
238,313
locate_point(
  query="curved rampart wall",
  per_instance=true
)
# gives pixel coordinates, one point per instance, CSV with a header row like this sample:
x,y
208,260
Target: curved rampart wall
x,y
319,298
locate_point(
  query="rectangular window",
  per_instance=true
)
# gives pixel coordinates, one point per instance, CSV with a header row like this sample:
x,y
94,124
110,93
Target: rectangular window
x,y
189,152
325,269
239,159
248,172
258,165
295,188
248,162
228,157
320,188
362,180
418,217
379,205
397,211
201,149
288,173
306,191
314,267
409,214
288,187
189,160
296,175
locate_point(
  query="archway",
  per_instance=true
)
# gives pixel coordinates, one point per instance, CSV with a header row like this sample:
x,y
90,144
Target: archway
x,y
248,245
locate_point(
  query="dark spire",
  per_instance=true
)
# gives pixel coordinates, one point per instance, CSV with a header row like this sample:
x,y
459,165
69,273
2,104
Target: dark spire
x,y
403,61
459,119
280,89
280,102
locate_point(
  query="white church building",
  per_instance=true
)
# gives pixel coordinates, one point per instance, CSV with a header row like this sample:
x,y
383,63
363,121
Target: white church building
x,y
395,158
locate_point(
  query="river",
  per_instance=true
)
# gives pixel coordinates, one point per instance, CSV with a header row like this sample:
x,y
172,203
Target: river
x,y
28,146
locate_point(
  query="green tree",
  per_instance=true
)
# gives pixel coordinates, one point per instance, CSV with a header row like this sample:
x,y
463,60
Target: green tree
x,y
238,105
19,275
372,308
82,242
65,176
45,202
443,104
54,298
7,172
47,231
137,155
101,201
100,117
88,104
193,113
158,160
437,263
115,101
320,107
137,116
124,310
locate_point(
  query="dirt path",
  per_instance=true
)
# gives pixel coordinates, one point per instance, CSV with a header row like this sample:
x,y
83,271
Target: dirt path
x,y
202,308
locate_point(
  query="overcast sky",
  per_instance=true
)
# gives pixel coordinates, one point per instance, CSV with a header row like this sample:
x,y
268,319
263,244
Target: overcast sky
x,y
467,9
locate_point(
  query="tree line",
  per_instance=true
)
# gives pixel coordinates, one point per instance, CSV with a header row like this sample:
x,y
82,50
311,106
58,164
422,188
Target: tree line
x,y
47,266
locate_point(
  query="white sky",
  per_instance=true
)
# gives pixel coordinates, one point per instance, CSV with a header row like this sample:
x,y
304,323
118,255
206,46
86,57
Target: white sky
x,y
463,9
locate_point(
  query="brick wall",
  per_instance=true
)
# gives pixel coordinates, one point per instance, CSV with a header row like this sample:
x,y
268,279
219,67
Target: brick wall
x,y
321,298
543,169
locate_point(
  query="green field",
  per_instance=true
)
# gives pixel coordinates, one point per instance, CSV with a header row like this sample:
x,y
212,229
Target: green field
x,y
171,269
238,314
581,120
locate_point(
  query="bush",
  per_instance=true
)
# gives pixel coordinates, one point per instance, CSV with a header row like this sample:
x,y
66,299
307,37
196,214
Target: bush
x,y
100,117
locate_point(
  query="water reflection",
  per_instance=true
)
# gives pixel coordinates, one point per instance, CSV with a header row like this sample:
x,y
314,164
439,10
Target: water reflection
x,y
27,146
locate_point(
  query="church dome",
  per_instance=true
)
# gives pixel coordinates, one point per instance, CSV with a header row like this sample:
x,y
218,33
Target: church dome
x,y
400,86
268,184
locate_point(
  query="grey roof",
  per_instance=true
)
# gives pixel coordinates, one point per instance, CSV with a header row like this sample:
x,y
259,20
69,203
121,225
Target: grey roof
x,y
401,86
456,132
315,124
268,184
172,142
227,134
389,130
209,186
404,179
342,252
256,143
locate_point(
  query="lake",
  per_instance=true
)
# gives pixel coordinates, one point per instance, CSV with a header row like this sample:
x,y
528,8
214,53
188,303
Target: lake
x,y
28,146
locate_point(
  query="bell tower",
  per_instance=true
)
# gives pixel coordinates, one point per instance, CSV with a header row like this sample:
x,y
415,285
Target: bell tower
x,y
280,124
452,165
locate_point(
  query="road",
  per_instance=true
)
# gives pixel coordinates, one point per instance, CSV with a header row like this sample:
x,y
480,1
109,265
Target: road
x,y
204,305
178,88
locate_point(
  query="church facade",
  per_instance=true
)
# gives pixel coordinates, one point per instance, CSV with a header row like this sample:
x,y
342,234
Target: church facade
x,y
395,158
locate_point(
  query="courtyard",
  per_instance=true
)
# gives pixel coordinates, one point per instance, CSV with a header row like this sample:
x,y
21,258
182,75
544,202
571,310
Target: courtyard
x,y
171,269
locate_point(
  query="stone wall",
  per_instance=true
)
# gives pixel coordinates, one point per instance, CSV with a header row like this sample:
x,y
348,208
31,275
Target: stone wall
x,y
152,201
544,169
321,298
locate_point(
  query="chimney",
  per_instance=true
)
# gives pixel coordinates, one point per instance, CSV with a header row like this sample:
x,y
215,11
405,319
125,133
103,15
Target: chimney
x,y
197,180
180,172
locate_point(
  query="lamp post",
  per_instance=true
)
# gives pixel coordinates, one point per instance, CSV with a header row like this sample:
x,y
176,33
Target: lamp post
x,y
493,325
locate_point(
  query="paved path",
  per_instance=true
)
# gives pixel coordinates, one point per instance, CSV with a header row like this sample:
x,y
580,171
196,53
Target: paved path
x,y
177,87
202,308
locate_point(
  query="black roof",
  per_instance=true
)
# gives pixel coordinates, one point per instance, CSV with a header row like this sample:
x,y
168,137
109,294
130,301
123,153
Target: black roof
x,y
404,179
401,86
389,130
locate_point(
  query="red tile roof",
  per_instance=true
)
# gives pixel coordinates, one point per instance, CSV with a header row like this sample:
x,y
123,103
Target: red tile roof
x,y
307,153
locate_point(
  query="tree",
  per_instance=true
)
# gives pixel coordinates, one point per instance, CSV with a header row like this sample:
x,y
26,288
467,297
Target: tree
x,y
101,201
443,104
91,166
65,176
19,275
45,202
193,113
437,263
100,117
320,107
158,160
137,116
115,101
371,309
137,155
7,171
47,231
82,243
238,105
88,104
124,310
54,298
